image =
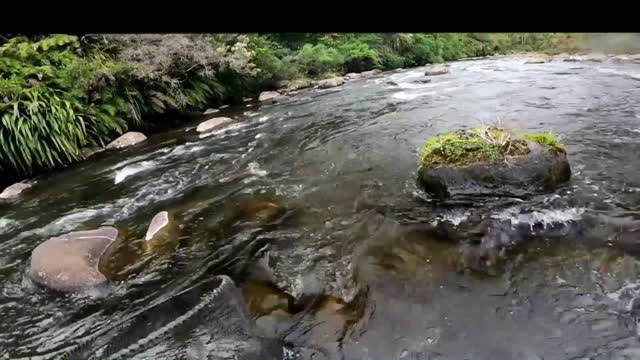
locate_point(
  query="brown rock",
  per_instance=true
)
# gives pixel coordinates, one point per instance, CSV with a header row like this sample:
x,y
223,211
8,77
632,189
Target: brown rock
x,y
90,151
70,262
15,190
128,139
214,124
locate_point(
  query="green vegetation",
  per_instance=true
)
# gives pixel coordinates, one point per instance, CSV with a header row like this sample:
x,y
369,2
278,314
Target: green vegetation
x,y
481,144
547,139
60,93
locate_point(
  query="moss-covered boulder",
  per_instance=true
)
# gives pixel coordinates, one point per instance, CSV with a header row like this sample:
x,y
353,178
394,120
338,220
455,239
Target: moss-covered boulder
x,y
492,161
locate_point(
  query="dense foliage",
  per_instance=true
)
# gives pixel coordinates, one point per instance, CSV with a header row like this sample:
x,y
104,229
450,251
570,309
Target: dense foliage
x,y
61,93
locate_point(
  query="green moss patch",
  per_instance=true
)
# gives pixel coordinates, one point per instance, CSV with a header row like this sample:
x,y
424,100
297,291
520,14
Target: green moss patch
x,y
481,144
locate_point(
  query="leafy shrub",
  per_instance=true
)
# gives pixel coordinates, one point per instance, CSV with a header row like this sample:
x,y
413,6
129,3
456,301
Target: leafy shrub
x,y
359,57
318,59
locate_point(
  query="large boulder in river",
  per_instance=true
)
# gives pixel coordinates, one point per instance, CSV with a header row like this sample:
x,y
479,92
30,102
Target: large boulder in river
x,y
214,124
329,83
492,161
438,69
15,190
128,139
70,262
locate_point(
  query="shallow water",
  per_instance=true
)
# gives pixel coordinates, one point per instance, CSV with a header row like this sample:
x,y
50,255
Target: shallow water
x,y
362,280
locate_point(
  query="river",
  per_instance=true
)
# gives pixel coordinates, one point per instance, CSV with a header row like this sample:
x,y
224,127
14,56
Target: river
x,y
353,274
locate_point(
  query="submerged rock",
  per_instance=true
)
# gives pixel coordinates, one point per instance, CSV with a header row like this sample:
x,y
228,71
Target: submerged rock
x,y
262,211
421,81
15,190
128,139
90,151
492,161
438,69
161,231
329,83
70,262
214,124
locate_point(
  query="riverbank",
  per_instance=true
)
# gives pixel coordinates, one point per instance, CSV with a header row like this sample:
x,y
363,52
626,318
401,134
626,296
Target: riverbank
x,y
65,94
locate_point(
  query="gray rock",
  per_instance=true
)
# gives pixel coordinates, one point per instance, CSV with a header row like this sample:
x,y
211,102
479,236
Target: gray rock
x,y
537,60
329,83
371,72
293,85
421,81
70,262
214,124
352,76
211,111
15,190
128,139
438,69
268,96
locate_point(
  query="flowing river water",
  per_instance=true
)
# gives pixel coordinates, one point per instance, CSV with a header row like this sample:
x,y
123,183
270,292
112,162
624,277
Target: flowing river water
x,y
351,267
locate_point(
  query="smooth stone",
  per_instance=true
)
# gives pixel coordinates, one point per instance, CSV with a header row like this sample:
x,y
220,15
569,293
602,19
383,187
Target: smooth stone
x,y
128,139
157,223
371,72
352,76
293,85
438,69
262,211
329,83
161,232
211,111
213,124
247,99
537,60
70,262
15,190
268,96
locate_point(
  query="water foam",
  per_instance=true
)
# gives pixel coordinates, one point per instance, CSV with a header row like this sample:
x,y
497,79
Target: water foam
x,y
545,217
133,169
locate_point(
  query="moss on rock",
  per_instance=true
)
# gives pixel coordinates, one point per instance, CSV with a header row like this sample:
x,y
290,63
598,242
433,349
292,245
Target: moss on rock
x,y
482,144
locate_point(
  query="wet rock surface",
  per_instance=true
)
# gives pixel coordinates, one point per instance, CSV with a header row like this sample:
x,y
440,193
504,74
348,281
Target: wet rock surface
x,y
540,170
126,140
213,124
439,69
329,83
15,190
70,262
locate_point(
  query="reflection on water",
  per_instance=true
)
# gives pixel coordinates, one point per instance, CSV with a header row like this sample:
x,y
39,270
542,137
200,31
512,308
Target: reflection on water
x,y
332,252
